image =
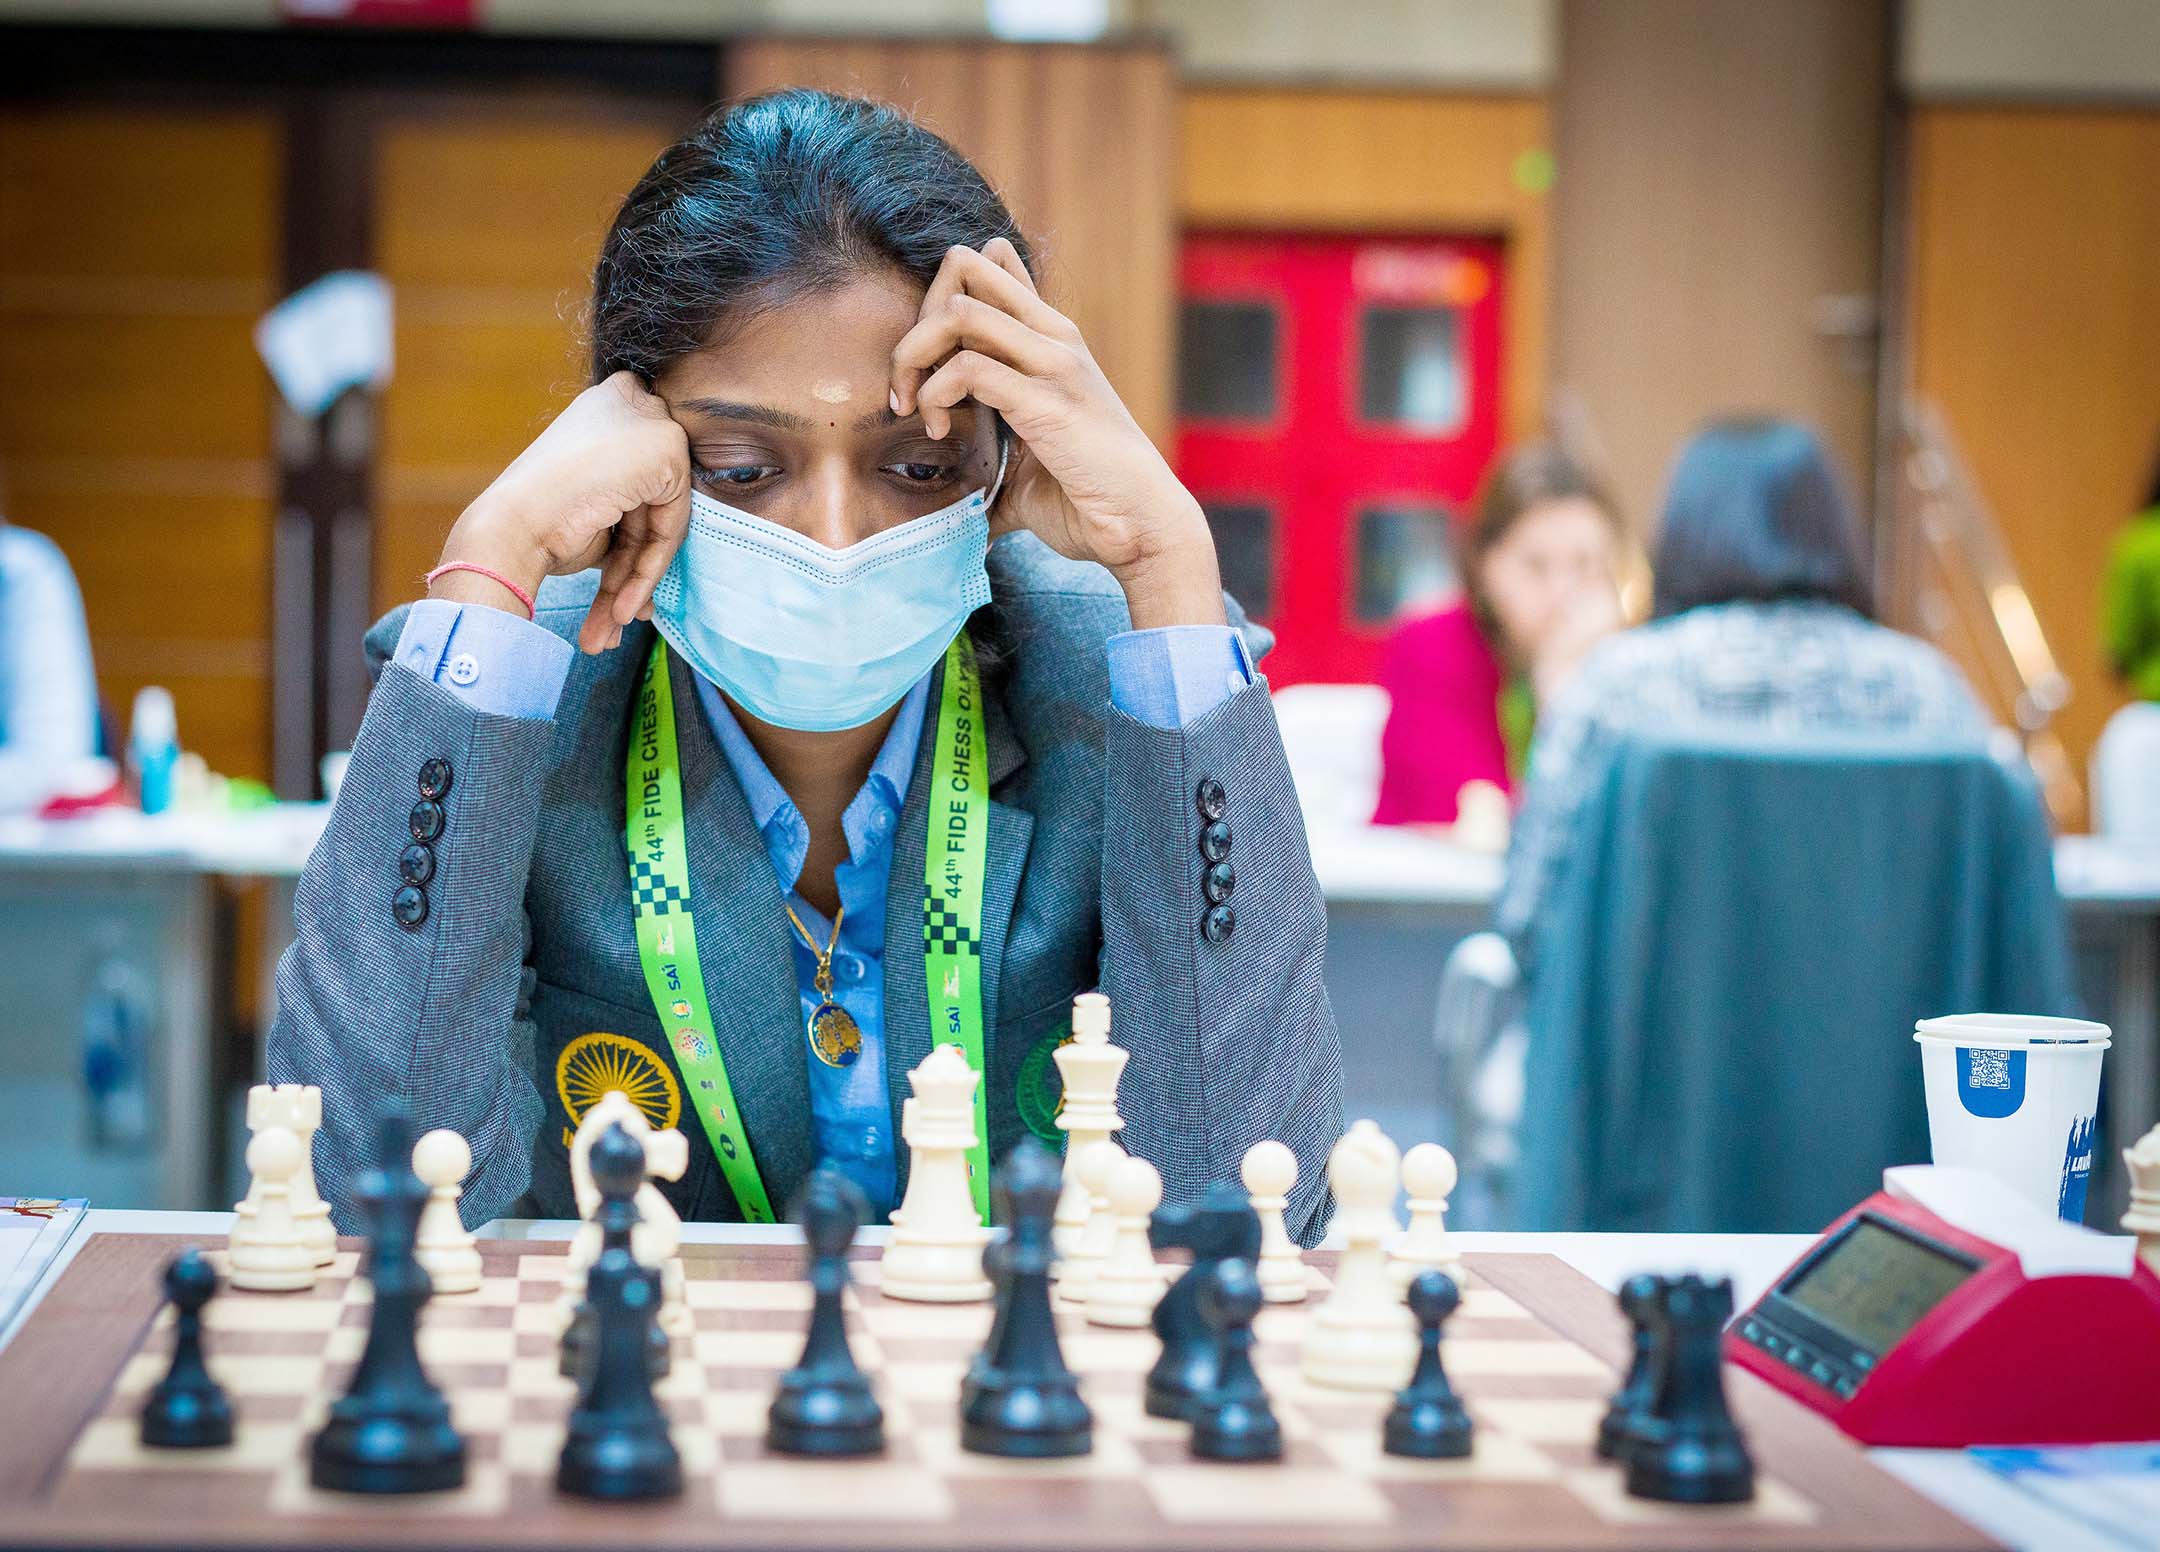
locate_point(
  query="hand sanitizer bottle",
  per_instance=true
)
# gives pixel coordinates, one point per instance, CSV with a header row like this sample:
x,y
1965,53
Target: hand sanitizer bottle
x,y
154,746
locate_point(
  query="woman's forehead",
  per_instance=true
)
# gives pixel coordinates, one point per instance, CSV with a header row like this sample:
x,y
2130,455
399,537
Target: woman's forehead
x,y
820,352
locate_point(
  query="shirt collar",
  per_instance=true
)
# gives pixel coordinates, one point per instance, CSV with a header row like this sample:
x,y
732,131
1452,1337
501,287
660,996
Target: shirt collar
x,y
779,822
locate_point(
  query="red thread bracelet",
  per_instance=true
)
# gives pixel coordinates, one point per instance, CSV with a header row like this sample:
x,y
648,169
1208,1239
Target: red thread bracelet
x,y
492,575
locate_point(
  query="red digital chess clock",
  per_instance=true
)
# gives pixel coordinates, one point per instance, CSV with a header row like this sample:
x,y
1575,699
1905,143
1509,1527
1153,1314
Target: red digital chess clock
x,y
1942,1311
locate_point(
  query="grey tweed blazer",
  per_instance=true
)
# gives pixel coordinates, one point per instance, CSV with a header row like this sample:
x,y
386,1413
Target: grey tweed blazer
x,y
527,944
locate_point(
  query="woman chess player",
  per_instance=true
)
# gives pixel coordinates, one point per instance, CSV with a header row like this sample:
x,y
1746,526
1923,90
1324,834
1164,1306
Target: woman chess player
x,y
842,669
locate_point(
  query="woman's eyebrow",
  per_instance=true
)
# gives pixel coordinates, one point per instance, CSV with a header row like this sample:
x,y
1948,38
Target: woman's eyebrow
x,y
750,414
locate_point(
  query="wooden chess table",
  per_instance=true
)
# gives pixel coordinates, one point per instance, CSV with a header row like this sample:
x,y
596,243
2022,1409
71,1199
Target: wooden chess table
x,y
1534,1350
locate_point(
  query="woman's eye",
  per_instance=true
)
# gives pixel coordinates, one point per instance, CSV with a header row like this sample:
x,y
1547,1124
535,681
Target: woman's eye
x,y
922,473
736,474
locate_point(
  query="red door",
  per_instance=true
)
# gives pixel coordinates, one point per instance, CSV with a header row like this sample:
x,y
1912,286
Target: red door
x,y
1338,402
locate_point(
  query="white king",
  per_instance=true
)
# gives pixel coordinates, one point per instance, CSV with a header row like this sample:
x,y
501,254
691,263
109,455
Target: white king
x,y
1090,1066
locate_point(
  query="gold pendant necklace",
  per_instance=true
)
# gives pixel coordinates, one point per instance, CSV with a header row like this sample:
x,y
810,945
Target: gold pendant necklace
x,y
834,1034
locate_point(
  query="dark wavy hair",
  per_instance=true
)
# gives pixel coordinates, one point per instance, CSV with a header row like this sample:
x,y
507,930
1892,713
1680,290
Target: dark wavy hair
x,y
1755,511
774,198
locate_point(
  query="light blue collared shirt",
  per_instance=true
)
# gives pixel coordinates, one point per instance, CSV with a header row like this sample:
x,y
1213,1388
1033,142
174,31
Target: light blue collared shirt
x,y
850,1116
498,663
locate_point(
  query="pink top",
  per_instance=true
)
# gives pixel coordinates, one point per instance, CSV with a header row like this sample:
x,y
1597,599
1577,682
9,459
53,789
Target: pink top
x,y
1443,726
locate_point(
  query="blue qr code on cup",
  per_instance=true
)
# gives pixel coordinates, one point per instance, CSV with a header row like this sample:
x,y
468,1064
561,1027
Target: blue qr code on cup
x,y
1988,1070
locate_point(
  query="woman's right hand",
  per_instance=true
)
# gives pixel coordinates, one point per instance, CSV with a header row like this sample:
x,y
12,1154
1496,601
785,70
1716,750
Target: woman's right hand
x,y
606,484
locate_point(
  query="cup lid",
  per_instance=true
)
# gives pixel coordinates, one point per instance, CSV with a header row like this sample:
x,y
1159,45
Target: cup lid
x,y
2012,1029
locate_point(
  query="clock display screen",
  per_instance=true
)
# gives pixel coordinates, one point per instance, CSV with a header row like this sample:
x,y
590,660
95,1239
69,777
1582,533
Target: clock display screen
x,y
1875,1284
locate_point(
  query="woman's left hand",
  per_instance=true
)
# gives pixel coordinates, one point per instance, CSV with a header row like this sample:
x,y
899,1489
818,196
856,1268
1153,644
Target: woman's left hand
x,y
1089,484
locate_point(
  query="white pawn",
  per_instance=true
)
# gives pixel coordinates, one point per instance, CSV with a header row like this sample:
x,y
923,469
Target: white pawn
x,y
297,1107
2143,1218
1363,1337
1428,1174
935,1253
443,1246
1093,1168
268,1250
1090,1067
1270,1173
1125,1287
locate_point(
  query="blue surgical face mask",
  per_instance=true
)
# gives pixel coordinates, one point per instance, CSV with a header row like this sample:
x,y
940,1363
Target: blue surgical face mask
x,y
806,637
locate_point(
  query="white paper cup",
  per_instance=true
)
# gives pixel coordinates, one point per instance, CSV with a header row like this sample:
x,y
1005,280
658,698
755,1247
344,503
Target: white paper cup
x,y
2015,1095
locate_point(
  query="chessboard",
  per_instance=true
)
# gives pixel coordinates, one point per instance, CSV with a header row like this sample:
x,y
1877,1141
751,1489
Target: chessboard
x,y
1534,1351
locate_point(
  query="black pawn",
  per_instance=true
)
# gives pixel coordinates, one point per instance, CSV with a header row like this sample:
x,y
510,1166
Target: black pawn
x,y
188,1410
1019,1398
390,1432
617,1447
1427,1421
824,1405
1233,1421
1627,1421
1220,1225
1697,1455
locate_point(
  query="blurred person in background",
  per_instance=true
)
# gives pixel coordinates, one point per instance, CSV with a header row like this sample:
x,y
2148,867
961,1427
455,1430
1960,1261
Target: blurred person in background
x,y
48,694
2126,763
1762,618
1464,685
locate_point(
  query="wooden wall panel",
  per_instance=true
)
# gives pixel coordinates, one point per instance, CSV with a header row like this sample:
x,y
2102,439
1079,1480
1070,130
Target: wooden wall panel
x,y
137,248
2035,327
487,222
1081,142
1719,196
1287,159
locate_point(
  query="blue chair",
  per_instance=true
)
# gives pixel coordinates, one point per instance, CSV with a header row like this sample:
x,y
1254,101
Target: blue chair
x,y
1731,963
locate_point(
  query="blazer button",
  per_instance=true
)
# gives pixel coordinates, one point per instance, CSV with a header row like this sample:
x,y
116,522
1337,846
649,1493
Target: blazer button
x,y
416,864
435,780
409,906
427,820
1215,841
1219,879
1211,798
1218,924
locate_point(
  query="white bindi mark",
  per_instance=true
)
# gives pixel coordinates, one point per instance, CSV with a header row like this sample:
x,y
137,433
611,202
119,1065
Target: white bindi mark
x,y
834,392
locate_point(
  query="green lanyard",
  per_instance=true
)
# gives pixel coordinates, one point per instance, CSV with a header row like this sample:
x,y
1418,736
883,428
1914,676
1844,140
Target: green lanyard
x,y
954,852
954,855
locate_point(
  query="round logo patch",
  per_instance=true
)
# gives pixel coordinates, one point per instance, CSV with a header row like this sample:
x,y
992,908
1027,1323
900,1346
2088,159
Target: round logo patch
x,y
1039,1094
593,1064
692,1046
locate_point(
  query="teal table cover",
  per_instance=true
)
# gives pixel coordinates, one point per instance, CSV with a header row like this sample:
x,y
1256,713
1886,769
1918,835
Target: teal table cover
x,y
1732,962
